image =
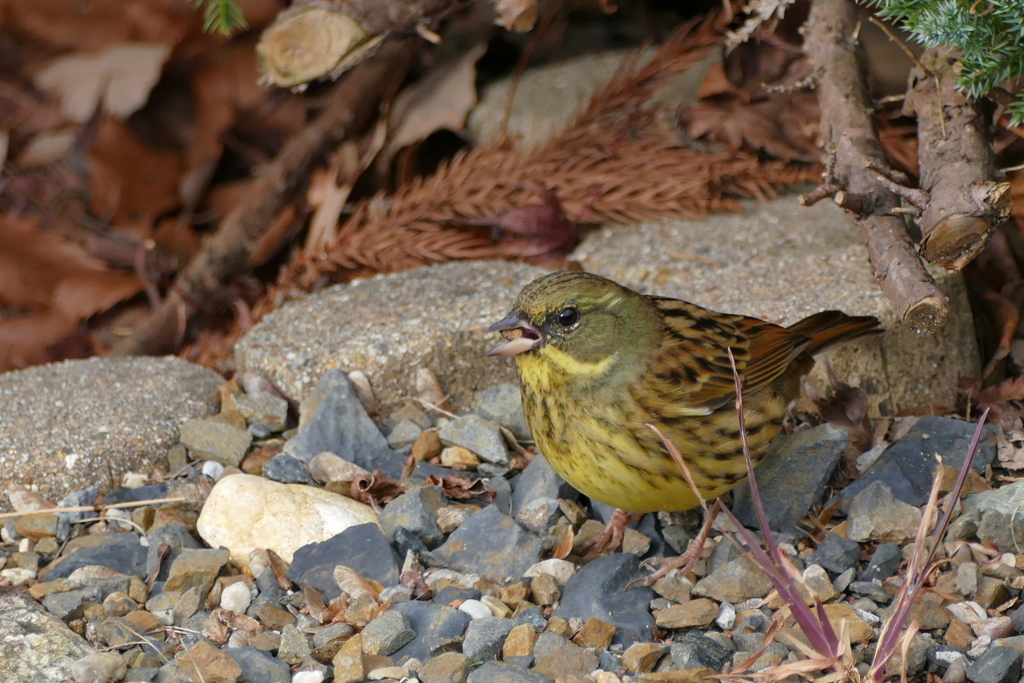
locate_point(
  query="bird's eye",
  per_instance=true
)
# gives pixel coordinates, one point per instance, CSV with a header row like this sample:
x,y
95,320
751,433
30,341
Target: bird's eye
x,y
567,317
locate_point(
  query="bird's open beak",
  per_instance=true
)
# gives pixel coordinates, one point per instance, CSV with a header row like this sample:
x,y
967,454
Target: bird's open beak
x,y
519,333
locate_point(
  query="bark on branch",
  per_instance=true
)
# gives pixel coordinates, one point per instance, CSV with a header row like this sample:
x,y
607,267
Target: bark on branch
x,y
851,137
965,202
228,253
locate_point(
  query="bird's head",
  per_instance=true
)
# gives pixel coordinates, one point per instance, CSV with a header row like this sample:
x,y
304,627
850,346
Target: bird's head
x,y
580,325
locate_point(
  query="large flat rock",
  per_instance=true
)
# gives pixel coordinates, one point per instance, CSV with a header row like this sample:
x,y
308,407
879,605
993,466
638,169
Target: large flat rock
x,y
390,326
781,261
66,426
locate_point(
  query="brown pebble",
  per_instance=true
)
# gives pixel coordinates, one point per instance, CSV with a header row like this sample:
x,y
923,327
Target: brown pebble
x,y
545,590
37,525
595,634
520,641
642,657
253,462
560,626
514,594
694,613
427,445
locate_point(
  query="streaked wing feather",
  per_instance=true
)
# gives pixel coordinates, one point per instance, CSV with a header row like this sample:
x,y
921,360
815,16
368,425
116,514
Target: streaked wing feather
x,y
694,363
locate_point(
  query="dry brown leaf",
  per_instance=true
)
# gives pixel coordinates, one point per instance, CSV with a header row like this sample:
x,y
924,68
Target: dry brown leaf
x,y
115,81
440,100
33,260
24,340
131,184
98,24
1005,318
349,581
456,487
81,295
228,95
375,490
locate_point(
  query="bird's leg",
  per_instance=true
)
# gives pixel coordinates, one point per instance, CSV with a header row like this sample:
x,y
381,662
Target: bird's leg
x,y
611,537
689,558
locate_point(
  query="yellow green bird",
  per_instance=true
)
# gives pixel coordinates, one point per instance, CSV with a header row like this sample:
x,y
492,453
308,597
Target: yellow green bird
x,y
599,363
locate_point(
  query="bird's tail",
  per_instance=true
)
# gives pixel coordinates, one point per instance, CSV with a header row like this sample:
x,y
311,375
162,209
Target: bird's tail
x,y
832,328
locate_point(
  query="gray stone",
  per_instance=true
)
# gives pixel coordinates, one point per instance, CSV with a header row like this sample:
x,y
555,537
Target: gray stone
x,y
836,553
998,514
68,604
606,589
263,408
333,419
876,515
177,538
504,404
908,466
437,628
780,261
548,642
870,589
208,439
694,650
390,326
99,667
123,553
404,434
101,417
416,511
287,470
294,647
489,543
735,581
259,666
363,548
387,633
792,489
538,480
478,435
884,562
35,646
532,616
996,665
500,672
484,638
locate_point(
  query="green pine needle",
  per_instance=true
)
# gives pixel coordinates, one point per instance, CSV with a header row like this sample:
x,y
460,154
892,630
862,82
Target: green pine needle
x,y
987,35
223,16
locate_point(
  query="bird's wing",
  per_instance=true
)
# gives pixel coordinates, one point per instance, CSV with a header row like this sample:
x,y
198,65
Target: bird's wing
x,y
693,363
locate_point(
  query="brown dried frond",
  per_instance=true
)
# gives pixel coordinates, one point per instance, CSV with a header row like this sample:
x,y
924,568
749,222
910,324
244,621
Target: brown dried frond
x,y
619,161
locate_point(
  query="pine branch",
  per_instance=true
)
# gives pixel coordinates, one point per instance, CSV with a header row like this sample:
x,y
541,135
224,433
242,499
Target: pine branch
x,y
617,162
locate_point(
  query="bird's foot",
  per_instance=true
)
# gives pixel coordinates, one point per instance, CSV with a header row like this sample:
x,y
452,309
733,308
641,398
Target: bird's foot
x,y
689,558
611,537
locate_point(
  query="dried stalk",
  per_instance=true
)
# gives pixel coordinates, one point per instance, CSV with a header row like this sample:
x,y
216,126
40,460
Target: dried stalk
x,y
965,203
850,135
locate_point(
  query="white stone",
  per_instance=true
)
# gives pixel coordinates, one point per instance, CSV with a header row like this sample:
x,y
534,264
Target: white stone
x,y
476,609
308,677
559,570
19,576
244,512
213,469
236,598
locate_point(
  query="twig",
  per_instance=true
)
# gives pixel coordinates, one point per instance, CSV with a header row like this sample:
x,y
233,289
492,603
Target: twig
x,y
96,508
848,129
227,254
965,202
